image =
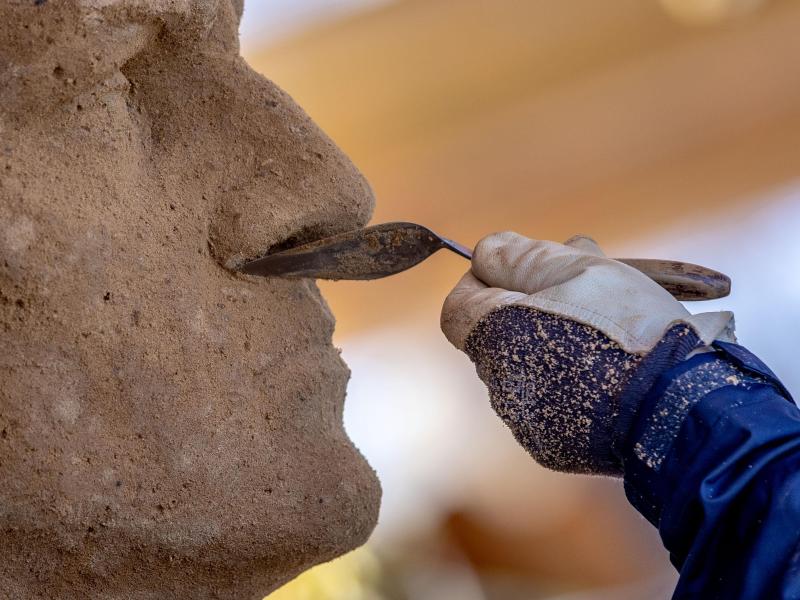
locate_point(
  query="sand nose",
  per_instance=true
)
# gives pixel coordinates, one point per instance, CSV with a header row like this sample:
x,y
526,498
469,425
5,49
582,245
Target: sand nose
x,y
299,187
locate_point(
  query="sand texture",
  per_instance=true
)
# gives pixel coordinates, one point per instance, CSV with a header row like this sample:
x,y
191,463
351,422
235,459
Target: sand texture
x,y
168,429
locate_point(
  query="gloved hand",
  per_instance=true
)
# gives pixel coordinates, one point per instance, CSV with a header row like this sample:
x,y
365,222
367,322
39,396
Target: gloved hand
x,y
567,341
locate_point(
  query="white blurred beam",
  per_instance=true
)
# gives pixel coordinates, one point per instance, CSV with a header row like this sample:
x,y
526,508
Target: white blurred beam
x,y
266,21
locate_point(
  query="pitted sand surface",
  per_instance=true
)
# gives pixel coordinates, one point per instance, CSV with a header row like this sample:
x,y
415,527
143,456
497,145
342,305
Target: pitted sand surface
x,y
168,429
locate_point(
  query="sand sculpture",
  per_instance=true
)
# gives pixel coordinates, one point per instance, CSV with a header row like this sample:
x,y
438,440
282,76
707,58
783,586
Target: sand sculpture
x,y
168,429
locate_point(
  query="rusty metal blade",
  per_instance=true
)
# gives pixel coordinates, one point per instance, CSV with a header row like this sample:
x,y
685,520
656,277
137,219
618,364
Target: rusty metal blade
x,y
369,253
389,248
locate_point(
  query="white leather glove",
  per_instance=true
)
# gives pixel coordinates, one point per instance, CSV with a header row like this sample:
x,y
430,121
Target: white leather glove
x,y
576,281
558,333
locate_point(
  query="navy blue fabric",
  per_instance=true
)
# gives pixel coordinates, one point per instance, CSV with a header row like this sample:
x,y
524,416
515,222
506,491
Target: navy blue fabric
x,y
677,343
726,499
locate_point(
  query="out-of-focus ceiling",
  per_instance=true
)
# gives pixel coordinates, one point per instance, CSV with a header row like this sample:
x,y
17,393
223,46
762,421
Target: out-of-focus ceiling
x,y
609,118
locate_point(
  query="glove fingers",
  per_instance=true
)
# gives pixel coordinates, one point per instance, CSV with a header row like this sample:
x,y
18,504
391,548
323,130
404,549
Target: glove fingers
x,y
513,262
585,244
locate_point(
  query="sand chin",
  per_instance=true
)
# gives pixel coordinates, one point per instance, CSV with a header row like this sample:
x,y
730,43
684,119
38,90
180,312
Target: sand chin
x,y
234,552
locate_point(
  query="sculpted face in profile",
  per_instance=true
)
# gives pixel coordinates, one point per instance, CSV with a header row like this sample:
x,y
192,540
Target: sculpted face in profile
x,y
168,429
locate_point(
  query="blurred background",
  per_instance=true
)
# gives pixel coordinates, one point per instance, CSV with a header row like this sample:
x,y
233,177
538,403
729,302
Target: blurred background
x,y
663,128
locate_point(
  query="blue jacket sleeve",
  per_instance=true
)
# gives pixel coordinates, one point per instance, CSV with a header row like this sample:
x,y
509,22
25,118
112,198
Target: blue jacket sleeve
x,y
721,481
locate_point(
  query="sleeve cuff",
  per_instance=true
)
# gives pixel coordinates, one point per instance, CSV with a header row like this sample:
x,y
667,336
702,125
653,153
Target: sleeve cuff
x,y
659,423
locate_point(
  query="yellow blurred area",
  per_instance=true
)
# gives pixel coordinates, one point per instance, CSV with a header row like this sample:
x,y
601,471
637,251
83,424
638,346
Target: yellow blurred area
x,y
352,576
666,128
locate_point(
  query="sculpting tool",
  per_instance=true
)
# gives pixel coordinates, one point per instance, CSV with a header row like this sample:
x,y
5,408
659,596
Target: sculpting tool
x,y
389,248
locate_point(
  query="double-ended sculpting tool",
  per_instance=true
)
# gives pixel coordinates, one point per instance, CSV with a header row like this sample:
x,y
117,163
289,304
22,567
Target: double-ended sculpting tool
x,y
389,248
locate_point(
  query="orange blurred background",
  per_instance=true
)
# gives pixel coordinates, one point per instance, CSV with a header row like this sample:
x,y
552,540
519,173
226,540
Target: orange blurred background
x,y
663,129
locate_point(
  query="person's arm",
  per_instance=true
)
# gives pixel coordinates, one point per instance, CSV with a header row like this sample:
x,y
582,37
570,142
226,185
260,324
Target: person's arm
x,y
713,461
596,369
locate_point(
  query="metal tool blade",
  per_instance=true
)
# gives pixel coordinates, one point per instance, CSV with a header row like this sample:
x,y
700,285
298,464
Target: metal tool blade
x,y
368,253
389,248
